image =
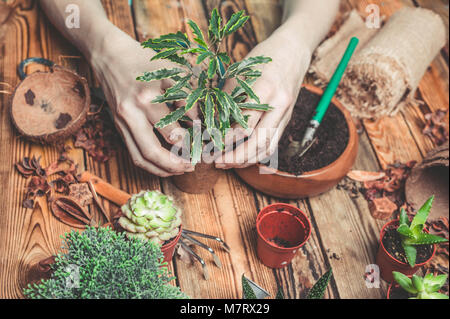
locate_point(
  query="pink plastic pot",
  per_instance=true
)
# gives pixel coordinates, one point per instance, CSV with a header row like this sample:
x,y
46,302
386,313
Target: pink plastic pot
x,y
281,223
169,249
388,263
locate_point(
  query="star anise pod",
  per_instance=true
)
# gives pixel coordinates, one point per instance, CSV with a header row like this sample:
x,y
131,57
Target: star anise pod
x,y
70,212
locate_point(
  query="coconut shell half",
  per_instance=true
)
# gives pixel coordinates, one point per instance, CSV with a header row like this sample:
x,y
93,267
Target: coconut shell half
x,y
429,178
48,107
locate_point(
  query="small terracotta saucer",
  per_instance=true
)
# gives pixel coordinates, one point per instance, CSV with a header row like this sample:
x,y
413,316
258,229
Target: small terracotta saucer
x,y
48,107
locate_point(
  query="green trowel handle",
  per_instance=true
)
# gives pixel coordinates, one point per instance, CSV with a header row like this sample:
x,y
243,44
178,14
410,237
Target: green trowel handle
x,y
335,80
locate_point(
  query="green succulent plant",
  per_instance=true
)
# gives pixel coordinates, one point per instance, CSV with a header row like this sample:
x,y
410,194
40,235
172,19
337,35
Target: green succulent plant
x,y
251,291
104,264
199,79
412,232
422,288
151,216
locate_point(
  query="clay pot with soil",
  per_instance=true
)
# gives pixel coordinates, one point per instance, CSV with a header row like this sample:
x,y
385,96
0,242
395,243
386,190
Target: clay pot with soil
x,y
282,230
391,256
405,245
328,161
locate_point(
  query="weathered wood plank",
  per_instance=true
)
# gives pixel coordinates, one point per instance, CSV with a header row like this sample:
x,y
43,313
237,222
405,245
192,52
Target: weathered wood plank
x,y
27,236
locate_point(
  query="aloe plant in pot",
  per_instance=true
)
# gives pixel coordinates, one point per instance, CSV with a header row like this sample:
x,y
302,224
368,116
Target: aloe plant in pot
x,y
198,81
417,287
406,245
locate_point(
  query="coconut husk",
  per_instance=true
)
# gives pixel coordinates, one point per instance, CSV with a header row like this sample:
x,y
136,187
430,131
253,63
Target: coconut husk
x,y
48,107
389,64
429,178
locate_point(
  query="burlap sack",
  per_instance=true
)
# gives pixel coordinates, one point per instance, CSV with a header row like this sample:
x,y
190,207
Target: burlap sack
x,y
386,70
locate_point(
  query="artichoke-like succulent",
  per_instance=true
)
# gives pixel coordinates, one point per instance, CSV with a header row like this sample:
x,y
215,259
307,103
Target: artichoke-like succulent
x,y
151,216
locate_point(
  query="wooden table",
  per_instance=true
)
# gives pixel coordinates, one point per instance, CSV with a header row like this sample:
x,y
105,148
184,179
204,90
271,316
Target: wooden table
x,y
342,226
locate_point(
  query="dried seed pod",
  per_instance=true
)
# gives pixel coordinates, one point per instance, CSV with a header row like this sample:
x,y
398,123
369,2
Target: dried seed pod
x,y
70,212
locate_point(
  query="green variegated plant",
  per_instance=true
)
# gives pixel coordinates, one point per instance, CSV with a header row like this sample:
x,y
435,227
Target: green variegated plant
x,y
422,288
199,80
413,234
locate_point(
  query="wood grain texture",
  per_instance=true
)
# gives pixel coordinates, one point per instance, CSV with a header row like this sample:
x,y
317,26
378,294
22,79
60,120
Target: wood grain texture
x,y
342,225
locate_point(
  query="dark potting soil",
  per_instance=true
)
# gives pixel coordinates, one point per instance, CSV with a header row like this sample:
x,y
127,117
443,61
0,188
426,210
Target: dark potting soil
x,y
281,242
393,244
332,136
399,293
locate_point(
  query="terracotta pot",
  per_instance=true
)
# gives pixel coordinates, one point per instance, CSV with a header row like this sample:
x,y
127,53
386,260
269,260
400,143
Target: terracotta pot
x,y
388,263
169,249
201,181
285,185
283,222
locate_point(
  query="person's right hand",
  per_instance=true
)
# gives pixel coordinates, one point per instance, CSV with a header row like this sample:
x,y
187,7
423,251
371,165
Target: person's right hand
x,y
117,63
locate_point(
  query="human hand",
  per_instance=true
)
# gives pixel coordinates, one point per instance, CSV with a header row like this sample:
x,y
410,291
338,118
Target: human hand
x,y
117,62
279,87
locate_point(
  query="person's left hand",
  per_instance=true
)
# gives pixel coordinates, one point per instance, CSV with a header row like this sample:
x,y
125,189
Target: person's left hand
x,y
279,87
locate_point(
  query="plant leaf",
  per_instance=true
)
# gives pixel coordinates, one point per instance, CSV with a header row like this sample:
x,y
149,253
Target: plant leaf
x,y
405,231
436,295
418,283
176,96
404,220
422,214
182,83
202,57
202,79
159,75
179,60
179,37
434,284
212,68
253,106
200,39
410,252
214,24
247,290
237,67
158,46
224,111
236,111
425,239
164,54
224,57
280,294
233,20
239,24
171,118
248,90
405,282
318,290
193,98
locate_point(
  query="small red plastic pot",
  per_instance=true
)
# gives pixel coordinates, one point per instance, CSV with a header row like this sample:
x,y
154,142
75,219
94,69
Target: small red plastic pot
x,y
388,263
281,223
169,249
